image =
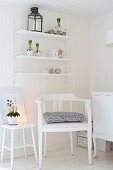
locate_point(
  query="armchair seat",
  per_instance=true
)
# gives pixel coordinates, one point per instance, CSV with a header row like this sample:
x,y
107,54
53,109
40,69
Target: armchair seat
x,y
64,127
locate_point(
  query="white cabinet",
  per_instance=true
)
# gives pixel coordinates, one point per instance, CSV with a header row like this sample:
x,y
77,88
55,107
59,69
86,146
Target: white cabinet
x,y
102,116
40,65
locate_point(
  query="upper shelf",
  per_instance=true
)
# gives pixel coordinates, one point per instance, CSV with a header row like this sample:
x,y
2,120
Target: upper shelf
x,y
43,35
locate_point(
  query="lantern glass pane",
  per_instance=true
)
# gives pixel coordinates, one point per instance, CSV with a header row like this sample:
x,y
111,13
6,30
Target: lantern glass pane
x,y
38,24
31,24
34,24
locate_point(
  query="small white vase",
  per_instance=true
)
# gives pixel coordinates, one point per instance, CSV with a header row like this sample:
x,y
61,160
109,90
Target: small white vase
x,y
30,52
12,120
58,71
38,53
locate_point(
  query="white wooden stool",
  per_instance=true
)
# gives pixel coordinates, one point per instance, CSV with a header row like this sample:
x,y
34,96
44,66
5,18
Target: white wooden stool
x,y
12,129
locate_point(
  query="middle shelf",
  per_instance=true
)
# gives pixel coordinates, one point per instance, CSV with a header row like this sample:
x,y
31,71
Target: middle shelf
x,y
42,58
42,74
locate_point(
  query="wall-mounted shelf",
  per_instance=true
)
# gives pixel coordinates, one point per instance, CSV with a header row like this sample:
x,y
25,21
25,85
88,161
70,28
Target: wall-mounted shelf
x,y
109,39
42,58
109,45
42,74
43,35
36,67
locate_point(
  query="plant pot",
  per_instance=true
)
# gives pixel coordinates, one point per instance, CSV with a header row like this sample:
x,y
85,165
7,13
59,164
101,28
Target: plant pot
x,y
12,120
38,53
30,52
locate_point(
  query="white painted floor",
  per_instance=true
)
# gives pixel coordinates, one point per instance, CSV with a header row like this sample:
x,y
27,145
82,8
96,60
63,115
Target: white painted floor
x,y
62,160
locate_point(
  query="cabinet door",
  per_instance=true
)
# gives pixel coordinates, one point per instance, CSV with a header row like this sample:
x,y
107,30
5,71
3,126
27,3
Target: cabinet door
x,y
103,115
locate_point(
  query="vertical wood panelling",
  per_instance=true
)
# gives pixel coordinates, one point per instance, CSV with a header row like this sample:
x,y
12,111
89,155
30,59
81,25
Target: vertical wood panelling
x,y
6,46
34,87
101,61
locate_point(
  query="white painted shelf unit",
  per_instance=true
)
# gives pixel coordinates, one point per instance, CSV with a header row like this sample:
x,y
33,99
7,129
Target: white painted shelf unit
x,y
43,74
43,58
43,35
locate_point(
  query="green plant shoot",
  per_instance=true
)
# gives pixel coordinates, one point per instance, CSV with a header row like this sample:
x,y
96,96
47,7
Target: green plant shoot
x,y
58,20
29,43
37,45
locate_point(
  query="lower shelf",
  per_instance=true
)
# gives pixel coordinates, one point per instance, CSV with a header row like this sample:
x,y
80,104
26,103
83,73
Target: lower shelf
x,y
42,74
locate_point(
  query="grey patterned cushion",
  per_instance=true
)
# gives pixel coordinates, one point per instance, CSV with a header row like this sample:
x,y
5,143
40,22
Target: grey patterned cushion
x,y
60,117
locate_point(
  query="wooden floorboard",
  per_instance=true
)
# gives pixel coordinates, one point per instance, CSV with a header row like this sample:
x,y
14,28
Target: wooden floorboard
x,y
62,160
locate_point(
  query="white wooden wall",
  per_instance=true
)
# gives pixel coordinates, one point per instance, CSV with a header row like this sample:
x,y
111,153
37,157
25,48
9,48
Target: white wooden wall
x,y
78,27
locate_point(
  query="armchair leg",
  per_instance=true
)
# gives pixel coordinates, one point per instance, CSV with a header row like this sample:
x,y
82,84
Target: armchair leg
x,y
95,149
71,143
89,147
40,148
45,144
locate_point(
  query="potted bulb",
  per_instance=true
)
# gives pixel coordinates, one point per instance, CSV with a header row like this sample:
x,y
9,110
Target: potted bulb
x,y
30,50
13,114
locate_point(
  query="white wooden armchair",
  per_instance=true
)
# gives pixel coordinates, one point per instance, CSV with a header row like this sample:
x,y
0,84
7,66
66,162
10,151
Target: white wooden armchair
x,y
57,102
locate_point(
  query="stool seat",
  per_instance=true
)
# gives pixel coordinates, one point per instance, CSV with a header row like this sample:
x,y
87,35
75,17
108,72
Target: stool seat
x,y
18,126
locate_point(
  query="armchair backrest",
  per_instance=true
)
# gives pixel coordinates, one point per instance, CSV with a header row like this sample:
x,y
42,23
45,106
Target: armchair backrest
x,y
58,100
58,97
14,94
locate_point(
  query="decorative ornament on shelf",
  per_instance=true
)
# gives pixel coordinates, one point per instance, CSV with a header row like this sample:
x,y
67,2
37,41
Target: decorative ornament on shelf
x,y
58,29
51,71
12,112
58,71
60,53
35,20
30,50
53,52
38,53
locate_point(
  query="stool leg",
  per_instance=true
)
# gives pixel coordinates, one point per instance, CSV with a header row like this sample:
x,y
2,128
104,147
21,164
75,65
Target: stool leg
x,y
12,148
3,143
94,143
24,143
34,145
40,148
71,143
45,144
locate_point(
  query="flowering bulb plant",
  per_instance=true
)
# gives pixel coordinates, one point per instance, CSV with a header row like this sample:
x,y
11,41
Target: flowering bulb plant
x,y
12,109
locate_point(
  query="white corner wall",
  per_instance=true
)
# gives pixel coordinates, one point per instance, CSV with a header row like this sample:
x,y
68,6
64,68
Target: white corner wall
x,y
13,17
101,57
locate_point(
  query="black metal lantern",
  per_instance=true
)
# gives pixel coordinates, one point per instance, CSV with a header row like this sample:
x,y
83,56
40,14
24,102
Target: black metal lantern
x,y
35,20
